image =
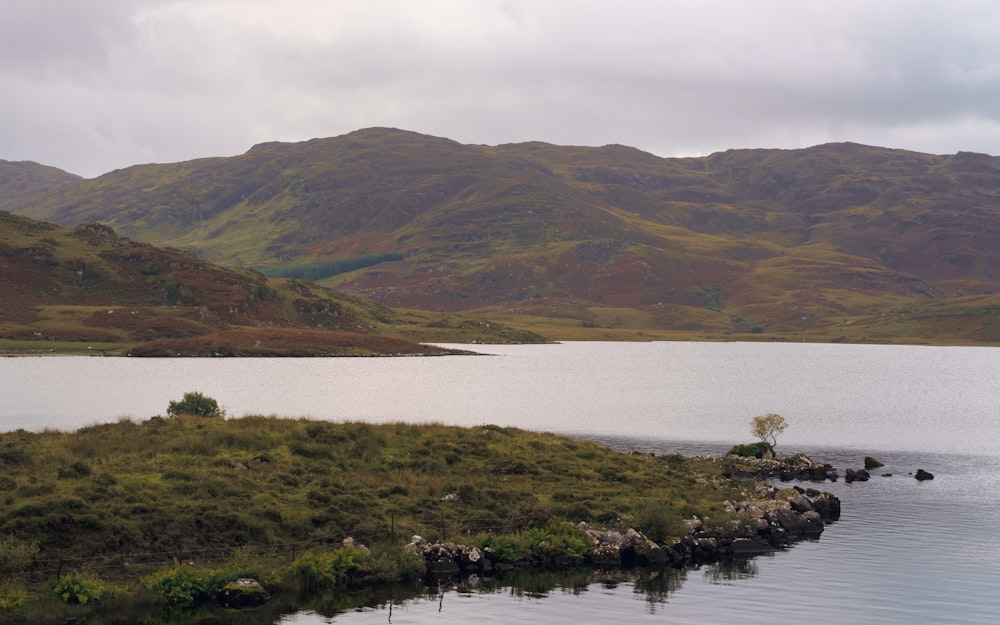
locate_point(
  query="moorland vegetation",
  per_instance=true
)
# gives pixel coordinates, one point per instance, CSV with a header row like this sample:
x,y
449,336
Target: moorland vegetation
x,y
174,507
838,242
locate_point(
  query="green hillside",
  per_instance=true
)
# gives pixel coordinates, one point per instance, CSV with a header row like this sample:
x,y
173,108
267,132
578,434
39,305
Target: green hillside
x,y
834,242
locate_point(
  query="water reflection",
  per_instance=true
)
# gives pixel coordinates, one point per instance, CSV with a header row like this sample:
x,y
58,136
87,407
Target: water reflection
x,y
451,598
730,570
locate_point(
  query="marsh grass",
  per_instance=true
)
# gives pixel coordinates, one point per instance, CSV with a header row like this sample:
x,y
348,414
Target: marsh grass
x,y
126,499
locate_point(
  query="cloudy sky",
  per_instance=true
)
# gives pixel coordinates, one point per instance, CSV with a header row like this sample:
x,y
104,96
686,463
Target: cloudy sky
x,y
94,85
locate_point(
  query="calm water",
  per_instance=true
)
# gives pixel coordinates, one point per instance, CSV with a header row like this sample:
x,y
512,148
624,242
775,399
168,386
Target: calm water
x,y
903,551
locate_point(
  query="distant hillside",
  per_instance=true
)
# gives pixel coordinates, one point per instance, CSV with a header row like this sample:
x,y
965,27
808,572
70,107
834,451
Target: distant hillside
x,y
839,241
88,289
22,179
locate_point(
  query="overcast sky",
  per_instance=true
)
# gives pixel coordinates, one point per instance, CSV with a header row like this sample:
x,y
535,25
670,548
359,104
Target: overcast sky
x,y
93,85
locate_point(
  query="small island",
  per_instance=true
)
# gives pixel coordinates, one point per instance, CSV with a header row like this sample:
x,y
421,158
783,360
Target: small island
x,y
193,507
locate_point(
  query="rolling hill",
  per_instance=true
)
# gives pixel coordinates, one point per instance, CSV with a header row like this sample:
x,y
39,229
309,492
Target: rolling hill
x,y
87,290
835,242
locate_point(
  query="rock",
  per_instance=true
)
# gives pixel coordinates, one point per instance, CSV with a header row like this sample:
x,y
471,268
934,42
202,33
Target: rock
x,y
796,500
443,559
746,547
644,550
923,475
827,505
704,550
784,518
470,558
859,475
606,556
243,593
608,548
810,523
350,543
872,463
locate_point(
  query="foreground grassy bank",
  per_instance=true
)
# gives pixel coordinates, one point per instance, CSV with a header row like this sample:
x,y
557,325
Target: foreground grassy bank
x,y
137,507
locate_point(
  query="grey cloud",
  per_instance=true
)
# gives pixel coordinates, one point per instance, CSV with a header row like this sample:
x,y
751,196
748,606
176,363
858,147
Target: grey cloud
x,y
104,84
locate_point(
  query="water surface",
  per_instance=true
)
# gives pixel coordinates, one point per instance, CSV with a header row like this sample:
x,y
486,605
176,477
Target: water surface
x,y
903,552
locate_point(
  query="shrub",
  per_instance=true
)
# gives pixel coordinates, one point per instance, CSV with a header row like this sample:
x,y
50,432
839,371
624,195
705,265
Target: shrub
x,y
16,556
75,469
195,404
552,538
750,450
659,523
326,570
392,564
182,585
13,594
79,588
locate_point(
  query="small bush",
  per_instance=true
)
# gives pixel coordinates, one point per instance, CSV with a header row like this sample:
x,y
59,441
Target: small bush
x,y
552,538
326,570
182,585
13,594
79,588
195,404
659,522
16,556
392,564
75,469
751,450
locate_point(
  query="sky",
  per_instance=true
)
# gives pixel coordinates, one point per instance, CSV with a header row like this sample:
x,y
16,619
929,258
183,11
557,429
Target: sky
x,y
89,86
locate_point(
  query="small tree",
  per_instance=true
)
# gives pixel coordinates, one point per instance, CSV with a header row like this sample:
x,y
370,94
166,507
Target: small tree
x,y
195,404
767,427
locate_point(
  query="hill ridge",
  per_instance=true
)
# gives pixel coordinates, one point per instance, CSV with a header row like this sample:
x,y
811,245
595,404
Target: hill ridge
x,y
787,241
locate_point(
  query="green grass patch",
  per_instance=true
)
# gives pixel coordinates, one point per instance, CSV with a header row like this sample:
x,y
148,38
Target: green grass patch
x,y
321,270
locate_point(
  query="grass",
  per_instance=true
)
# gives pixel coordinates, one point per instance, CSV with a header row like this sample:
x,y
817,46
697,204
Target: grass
x,y
121,501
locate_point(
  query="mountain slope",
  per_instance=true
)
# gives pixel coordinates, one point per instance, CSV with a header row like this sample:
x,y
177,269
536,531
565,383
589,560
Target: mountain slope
x,y
87,288
741,242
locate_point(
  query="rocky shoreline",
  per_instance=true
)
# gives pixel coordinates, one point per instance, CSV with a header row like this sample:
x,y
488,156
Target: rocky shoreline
x,y
770,520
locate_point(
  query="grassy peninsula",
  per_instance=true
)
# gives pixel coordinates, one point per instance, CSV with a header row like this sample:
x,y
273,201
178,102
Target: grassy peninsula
x,y
121,507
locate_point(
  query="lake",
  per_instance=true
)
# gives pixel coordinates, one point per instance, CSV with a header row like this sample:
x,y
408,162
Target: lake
x,y
903,551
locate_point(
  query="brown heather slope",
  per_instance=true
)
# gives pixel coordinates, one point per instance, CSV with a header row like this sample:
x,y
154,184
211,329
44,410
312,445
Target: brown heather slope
x,y
88,289
834,242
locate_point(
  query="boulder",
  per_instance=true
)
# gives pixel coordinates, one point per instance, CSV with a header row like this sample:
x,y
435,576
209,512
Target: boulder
x,y
923,475
827,505
796,500
872,463
810,523
243,593
858,475
644,550
443,559
747,547
606,556
784,518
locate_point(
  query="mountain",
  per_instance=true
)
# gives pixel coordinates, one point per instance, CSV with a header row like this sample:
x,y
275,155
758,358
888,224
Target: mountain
x,y
23,179
86,288
838,241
